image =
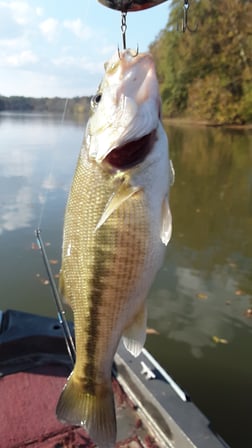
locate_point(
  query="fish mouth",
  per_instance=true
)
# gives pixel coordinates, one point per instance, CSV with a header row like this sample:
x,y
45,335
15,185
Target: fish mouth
x,y
131,153
121,129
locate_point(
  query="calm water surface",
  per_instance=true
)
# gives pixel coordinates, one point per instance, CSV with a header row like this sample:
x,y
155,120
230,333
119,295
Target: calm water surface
x,y
200,302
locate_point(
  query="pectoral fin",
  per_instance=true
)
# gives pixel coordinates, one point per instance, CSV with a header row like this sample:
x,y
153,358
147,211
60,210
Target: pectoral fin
x,y
166,222
172,173
124,192
135,334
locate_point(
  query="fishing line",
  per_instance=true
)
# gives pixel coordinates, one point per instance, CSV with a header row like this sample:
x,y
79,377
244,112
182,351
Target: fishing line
x,y
55,293
64,111
51,169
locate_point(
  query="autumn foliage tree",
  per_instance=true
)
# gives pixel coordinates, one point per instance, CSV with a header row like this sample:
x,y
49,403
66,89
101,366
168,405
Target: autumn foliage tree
x,y
207,74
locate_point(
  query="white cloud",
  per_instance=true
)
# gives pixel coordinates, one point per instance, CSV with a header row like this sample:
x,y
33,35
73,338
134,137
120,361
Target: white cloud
x,y
22,59
35,84
79,62
19,11
15,35
78,28
39,11
42,54
49,28
49,49
8,26
15,43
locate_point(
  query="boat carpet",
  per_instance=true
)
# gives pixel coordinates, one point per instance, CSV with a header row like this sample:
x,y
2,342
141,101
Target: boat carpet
x,y
27,412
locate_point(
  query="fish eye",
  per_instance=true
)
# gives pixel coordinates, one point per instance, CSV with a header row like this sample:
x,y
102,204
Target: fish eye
x,y
95,100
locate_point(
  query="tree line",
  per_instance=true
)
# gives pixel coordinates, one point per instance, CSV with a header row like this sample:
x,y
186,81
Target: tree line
x,y
203,75
77,105
207,74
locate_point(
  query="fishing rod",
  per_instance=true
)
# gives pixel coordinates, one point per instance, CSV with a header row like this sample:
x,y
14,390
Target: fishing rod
x,y
57,299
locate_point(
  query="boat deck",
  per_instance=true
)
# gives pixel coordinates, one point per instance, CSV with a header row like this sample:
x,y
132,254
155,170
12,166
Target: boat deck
x,y
152,411
27,409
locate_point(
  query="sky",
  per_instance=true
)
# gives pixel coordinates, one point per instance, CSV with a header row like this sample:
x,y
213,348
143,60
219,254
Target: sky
x,y
54,48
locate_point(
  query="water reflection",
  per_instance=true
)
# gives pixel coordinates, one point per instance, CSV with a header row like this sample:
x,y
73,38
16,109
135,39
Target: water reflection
x,y
194,309
205,286
33,162
213,193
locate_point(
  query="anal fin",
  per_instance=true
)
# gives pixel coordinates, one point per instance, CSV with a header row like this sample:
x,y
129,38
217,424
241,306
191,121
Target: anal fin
x,y
134,334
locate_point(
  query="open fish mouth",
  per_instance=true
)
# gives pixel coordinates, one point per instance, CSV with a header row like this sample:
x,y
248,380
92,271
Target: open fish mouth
x,y
128,111
131,153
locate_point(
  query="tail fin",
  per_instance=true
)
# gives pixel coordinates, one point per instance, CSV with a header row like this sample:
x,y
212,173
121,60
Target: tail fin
x,y
94,411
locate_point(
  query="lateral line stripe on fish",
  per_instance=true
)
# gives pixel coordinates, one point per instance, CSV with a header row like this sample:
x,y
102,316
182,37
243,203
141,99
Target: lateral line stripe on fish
x,y
96,291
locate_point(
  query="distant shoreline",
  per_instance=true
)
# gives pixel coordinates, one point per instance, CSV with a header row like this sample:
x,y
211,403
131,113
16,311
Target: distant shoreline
x,y
80,106
182,121
44,104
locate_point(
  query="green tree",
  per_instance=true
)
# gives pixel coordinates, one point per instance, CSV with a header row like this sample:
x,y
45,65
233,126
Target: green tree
x,y
207,74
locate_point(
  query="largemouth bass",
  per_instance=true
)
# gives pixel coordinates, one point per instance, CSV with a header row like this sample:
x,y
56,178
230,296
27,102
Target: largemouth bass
x,y
117,224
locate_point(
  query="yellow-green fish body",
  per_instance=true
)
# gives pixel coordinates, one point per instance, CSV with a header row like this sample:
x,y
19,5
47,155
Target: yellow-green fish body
x,y
117,224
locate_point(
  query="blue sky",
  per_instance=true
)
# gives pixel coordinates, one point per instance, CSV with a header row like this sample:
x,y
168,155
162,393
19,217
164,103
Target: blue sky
x,y
58,47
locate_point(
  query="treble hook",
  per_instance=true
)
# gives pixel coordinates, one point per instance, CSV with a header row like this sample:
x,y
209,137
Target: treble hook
x,y
185,25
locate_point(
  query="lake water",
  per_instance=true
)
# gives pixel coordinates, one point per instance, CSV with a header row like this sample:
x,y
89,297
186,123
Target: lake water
x,y
200,303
